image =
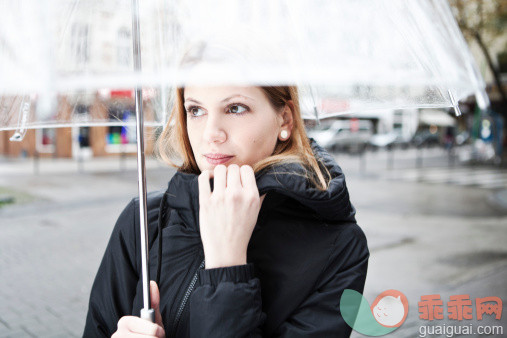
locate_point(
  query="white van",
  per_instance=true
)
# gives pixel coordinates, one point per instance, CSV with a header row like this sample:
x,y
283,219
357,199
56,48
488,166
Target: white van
x,y
348,135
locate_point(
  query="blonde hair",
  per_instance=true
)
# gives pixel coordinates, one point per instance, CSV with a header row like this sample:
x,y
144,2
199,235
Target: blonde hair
x,y
173,142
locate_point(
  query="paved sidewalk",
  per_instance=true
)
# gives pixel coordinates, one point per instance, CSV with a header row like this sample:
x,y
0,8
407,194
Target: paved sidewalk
x,y
499,199
54,236
52,166
424,239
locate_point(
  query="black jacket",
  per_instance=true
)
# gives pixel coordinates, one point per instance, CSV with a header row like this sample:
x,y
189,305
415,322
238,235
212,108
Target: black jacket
x,y
305,249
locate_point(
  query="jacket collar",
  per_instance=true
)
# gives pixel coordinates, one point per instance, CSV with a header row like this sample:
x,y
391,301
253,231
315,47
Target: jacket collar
x,y
285,180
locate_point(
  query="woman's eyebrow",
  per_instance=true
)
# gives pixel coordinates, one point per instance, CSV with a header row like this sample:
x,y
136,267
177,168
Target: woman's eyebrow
x,y
223,101
191,99
236,95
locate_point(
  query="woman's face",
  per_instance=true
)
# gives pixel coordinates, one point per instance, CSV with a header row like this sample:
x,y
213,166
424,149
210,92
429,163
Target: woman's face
x,y
229,125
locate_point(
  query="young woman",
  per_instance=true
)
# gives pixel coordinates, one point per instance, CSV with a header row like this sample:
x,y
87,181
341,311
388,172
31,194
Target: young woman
x,y
259,236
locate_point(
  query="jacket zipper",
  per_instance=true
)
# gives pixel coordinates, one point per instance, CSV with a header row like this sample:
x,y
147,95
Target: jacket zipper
x,y
186,296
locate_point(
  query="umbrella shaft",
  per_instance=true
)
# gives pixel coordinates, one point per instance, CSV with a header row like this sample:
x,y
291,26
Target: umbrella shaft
x,y
141,168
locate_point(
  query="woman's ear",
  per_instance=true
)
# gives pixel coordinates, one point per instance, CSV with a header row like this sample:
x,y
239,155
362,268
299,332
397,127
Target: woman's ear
x,y
288,116
286,121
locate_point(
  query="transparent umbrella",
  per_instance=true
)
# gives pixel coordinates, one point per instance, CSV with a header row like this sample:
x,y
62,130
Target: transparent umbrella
x,y
359,55
365,55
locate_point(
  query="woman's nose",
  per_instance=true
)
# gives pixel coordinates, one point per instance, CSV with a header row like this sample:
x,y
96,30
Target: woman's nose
x,y
214,130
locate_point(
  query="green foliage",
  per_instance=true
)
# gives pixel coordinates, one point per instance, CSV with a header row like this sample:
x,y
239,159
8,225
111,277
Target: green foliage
x,y
10,196
485,17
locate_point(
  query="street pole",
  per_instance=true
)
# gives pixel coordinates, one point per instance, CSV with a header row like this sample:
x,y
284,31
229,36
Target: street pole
x,y
419,159
362,161
390,157
36,162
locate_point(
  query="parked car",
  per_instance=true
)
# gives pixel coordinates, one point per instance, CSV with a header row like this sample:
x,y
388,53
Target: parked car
x,y
345,135
389,140
426,138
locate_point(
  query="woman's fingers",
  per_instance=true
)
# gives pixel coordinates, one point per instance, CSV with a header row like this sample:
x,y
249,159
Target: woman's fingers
x,y
155,302
227,219
248,178
233,177
132,324
219,179
204,187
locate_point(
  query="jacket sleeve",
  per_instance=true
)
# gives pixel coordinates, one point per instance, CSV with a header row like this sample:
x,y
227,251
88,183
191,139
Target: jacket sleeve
x,y
319,314
115,284
227,301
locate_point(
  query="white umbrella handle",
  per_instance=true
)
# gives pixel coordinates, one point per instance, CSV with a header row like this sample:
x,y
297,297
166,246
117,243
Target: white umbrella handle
x,y
146,312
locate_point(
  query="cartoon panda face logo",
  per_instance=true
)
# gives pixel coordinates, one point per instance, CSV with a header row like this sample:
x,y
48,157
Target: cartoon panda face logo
x,y
390,308
389,311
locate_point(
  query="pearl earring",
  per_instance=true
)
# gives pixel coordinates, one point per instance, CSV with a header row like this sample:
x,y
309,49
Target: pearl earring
x,y
284,134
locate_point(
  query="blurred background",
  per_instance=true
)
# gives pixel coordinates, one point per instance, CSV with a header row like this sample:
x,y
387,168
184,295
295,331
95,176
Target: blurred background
x,y
430,188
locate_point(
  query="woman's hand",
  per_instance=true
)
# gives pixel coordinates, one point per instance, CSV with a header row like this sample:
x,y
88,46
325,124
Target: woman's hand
x,y
227,216
132,326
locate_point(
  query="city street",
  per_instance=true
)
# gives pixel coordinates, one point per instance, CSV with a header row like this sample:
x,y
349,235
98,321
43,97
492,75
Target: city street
x,y
409,97
434,226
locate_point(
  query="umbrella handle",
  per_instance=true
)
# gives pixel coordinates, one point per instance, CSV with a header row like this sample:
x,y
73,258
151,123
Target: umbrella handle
x,y
148,314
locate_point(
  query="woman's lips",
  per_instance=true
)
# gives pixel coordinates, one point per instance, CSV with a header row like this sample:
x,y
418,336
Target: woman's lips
x,y
217,159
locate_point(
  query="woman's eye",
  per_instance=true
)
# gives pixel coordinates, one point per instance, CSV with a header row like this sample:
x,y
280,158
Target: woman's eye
x,y
237,109
194,111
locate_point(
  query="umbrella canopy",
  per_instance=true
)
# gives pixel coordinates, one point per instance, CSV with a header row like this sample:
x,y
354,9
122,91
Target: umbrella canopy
x,y
348,56
70,63
359,55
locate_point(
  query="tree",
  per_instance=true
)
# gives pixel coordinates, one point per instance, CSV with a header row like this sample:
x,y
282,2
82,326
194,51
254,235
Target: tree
x,y
483,22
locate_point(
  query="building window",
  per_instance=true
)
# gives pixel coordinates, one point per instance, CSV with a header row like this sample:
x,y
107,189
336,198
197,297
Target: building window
x,y
80,43
124,49
45,140
121,138
84,137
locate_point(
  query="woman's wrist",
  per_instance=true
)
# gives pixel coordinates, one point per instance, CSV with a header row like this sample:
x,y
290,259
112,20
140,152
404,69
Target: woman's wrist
x,y
215,261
